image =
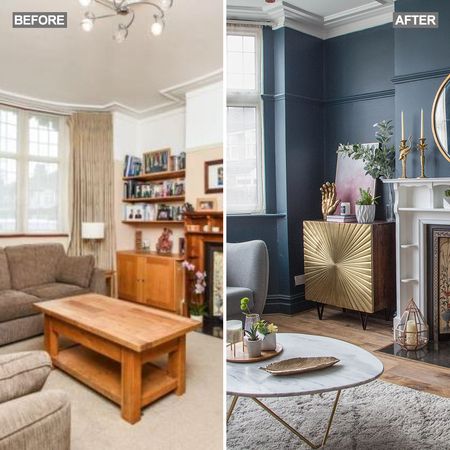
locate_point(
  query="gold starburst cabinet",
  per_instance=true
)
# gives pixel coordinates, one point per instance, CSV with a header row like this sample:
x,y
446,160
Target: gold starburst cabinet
x,y
350,266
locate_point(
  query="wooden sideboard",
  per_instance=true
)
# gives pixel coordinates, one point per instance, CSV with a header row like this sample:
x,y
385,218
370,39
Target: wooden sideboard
x,y
350,265
151,279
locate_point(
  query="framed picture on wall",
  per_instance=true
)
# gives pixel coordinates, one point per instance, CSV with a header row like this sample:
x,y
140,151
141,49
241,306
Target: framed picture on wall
x,y
214,176
157,161
206,204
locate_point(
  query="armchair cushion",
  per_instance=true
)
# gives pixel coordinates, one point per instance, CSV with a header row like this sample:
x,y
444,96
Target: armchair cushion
x,y
5,279
52,291
234,295
22,373
16,304
76,270
36,422
98,282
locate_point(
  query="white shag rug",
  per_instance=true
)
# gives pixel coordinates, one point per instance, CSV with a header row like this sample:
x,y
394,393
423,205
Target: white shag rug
x,y
371,417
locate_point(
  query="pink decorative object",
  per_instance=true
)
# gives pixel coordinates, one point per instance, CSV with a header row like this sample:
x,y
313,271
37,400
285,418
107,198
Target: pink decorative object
x,y
165,243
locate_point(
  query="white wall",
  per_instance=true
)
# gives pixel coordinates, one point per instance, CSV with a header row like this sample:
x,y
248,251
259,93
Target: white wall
x,y
125,136
204,116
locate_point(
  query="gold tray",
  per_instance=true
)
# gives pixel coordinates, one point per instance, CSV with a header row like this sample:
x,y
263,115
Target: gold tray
x,y
295,366
241,355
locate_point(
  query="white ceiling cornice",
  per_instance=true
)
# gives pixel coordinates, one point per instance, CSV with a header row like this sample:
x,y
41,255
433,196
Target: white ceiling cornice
x,y
175,95
285,14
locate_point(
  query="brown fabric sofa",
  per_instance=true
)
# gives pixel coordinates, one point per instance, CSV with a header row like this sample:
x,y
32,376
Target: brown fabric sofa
x,y
31,419
35,273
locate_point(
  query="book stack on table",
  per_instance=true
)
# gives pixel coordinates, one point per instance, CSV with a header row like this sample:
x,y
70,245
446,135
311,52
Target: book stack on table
x,y
340,218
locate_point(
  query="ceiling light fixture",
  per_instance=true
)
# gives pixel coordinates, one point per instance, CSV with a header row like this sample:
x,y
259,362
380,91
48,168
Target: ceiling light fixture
x,y
124,8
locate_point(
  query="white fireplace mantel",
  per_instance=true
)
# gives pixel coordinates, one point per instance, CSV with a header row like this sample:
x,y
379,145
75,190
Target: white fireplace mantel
x,y
418,203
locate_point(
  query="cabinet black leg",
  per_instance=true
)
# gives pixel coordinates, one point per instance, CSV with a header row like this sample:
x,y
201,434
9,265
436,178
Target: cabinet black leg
x,y
387,314
364,318
320,307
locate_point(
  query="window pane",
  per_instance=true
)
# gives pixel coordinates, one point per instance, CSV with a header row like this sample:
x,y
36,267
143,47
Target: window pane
x,y
8,131
243,174
43,196
8,185
241,62
43,136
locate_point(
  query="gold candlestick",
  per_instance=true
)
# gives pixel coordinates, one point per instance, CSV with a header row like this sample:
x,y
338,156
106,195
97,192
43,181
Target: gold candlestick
x,y
422,147
404,151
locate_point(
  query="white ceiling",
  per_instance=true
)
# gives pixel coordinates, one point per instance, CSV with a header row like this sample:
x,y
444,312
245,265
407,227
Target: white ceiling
x,y
75,67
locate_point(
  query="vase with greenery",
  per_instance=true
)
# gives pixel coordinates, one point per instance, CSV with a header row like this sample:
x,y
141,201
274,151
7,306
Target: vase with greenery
x,y
379,161
365,206
446,199
197,309
269,335
250,318
254,343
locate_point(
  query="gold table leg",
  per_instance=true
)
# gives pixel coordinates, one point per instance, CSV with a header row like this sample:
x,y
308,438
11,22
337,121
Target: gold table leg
x,y
291,429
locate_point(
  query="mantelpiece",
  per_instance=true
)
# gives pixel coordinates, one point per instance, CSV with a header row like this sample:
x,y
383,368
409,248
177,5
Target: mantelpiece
x,y
418,203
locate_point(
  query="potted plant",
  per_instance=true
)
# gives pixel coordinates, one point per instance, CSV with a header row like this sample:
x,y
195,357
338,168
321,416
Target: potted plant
x,y
197,309
365,206
446,199
269,333
254,343
250,318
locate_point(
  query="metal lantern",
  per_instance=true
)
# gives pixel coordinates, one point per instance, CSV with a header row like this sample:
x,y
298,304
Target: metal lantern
x,y
412,331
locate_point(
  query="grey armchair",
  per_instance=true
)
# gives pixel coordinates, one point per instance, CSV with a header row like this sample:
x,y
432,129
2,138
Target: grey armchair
x,y
247,276
31,419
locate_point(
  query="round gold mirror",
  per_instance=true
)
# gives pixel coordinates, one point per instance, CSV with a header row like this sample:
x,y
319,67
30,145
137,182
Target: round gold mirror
x,y
440,118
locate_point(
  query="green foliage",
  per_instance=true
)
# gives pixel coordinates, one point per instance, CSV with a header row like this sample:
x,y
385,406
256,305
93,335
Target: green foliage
x,y
253,333
366,198
378,161
244,305
261,326
197,309
447,193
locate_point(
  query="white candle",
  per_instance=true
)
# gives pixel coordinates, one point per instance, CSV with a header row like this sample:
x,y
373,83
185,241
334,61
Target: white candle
x,y
234,331
421,123
403,128
411,333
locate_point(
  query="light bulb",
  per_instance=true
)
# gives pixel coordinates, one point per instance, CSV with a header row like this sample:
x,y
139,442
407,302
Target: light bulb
x,y
165,4
85,3
157,26
120,34
88,22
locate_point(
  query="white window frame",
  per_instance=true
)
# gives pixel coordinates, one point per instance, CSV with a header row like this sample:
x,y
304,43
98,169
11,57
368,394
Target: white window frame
x,y
252,98
23,158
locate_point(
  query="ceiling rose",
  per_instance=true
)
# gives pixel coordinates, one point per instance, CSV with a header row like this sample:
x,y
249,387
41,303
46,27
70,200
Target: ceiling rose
x,y
126,9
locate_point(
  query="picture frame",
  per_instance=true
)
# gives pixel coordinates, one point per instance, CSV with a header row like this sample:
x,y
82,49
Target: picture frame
x,y
206,204
164,213
157,161
214,176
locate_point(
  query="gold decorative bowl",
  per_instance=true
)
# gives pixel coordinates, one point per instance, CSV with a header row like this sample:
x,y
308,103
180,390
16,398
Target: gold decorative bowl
x,y
295,366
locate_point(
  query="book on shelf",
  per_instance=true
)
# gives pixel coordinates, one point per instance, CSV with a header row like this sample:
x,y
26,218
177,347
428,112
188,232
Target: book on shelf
x,y
340,218
152,212
132,166
139,189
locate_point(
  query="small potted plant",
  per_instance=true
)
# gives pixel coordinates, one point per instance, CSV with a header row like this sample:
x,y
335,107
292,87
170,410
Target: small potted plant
x,y
365,206
269,333
254,343
197,309
446,199
250,318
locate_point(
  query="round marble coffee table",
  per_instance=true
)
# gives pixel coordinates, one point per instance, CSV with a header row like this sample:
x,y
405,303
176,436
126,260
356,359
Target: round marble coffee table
x,y
356,367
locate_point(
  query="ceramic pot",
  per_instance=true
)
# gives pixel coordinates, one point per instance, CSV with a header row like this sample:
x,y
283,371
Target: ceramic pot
x,y
254,348
197,318
446,202
365,213
269,342
250,319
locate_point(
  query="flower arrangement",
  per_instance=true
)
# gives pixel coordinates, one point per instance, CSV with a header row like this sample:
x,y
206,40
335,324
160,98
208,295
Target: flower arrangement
x,y
198,283
266,328
252,334
244,305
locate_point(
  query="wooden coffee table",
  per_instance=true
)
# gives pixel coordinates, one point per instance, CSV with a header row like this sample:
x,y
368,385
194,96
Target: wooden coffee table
x,y
117,342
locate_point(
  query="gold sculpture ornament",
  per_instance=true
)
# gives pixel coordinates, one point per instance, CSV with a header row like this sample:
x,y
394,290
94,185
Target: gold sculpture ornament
x,y
405,149
329,201
422,147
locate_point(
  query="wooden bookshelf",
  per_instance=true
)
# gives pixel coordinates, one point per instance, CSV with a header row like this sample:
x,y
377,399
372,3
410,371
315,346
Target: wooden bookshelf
x,y
173,198
155,222
156,176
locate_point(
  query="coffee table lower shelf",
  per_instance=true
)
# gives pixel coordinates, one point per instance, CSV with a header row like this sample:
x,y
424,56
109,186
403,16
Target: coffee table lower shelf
x,y
104,375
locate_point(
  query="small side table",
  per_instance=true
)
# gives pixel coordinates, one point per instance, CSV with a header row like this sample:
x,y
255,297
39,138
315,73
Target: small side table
x,y
110,276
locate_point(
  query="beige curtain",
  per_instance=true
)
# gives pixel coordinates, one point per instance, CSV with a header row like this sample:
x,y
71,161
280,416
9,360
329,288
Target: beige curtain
x,y
92,181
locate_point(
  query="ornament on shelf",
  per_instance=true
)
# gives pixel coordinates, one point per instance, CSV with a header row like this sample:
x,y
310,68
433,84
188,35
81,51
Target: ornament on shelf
x,y
165,243
329,201
412,331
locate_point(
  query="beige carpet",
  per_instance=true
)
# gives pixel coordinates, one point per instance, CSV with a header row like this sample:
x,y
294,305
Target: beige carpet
x,y
192,421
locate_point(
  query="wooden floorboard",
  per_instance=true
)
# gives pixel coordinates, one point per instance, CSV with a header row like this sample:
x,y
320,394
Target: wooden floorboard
x,y
347,326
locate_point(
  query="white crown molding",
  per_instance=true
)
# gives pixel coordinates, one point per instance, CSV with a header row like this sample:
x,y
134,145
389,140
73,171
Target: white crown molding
x,y
176,96
285,14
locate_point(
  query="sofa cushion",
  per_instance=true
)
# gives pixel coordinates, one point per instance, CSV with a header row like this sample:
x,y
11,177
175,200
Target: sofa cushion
x,y
76,270
23,373
234,295
52,291
32,265
16,304
5,279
